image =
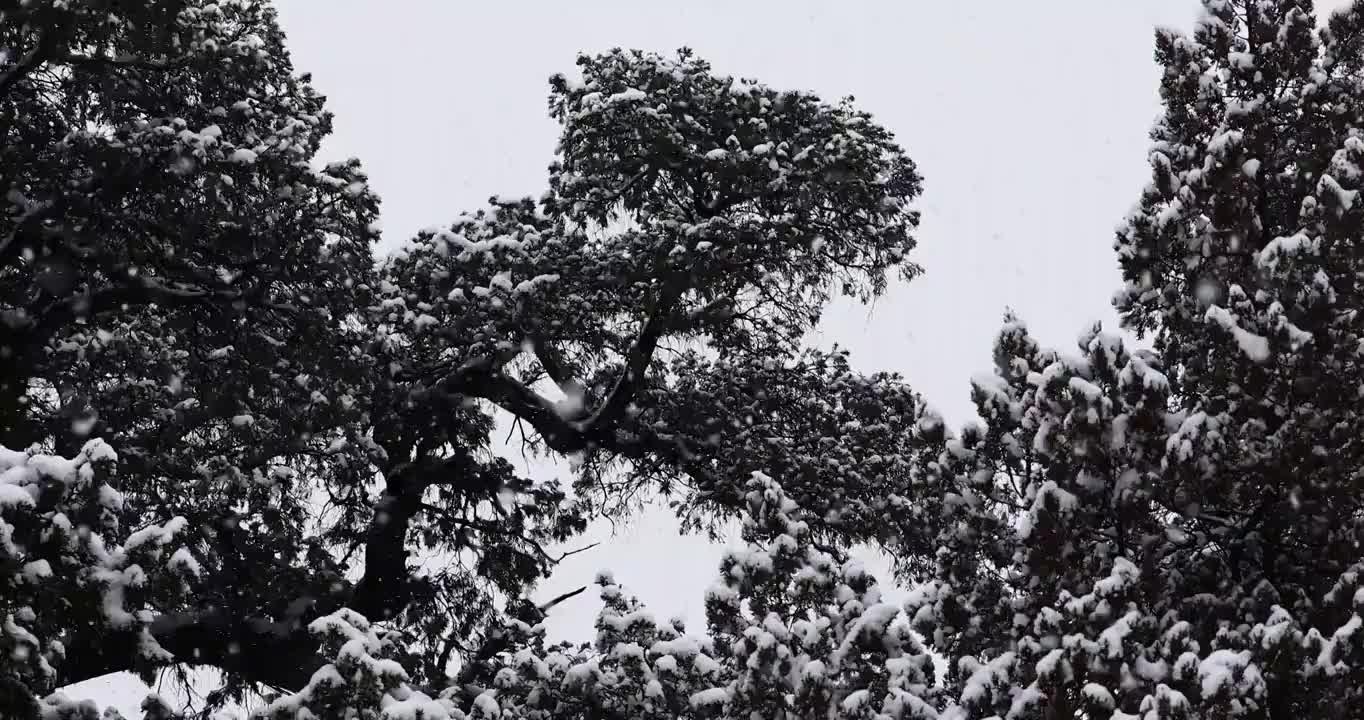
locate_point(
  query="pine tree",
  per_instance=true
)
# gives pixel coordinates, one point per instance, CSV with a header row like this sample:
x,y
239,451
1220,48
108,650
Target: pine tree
x,y
645,311
793,631
1177,534
181,281
163,233
1243,255
65,562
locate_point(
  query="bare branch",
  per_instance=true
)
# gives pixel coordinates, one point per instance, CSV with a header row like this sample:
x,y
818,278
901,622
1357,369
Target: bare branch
x,y
566,596
571,553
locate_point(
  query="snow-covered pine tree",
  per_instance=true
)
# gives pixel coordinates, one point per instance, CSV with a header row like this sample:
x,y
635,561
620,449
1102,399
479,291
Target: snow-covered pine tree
x,y
1034,601
163,233
1244,259
793,631
1127,534
688,211
156,170
644,314
806,628
66,562
180,281
1178,534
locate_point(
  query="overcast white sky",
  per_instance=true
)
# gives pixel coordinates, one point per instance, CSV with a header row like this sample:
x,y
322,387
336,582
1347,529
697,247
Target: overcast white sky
x,y
1028,121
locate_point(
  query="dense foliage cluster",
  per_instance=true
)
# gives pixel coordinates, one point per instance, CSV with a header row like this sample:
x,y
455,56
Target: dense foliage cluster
x,y
231,437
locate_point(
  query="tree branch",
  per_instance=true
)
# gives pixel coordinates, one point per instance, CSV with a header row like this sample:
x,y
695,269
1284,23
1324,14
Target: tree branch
x,y
640,355
566,596
47,43
128,61
616,195
32,215
721,308
138,290
258,649
479,378
571,553
383,590
551,361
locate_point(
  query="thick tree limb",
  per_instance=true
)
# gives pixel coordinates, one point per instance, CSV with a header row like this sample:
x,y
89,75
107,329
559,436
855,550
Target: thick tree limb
x,y
566,596
32,216
551,361
481,379
484,378
640,355
620,191
260,650
478,379
383,590
715,310
36,56
282,653
137,291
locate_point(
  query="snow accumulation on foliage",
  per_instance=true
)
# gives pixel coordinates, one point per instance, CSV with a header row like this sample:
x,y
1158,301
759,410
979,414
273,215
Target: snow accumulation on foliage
x,y
230,438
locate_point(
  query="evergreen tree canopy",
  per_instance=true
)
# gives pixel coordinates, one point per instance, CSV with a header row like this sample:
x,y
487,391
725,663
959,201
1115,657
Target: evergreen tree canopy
x,y
284,427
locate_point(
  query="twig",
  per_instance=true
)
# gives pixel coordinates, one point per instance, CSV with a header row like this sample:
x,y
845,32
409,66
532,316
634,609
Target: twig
x,y
571,553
